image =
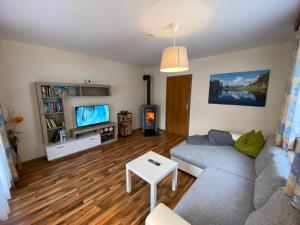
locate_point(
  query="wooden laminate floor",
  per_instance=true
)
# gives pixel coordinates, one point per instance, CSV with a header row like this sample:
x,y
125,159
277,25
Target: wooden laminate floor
x,y
89,188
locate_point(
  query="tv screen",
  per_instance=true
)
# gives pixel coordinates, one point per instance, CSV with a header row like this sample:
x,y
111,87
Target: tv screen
x,y
91,115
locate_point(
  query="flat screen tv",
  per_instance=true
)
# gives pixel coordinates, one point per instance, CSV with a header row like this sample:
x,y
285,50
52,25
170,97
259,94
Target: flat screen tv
x,y
91,115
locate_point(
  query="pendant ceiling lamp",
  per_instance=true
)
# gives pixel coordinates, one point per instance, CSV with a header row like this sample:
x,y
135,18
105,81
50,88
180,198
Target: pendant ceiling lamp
x,y
174,58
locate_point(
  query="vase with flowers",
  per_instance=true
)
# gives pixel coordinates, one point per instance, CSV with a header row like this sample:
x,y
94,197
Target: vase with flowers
x,y
14,135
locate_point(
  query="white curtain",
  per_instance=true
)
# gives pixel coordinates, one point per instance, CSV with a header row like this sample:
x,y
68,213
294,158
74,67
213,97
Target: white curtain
x,y
5,183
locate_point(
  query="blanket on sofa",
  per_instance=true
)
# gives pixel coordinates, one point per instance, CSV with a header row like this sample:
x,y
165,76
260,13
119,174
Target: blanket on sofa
x,y
214,137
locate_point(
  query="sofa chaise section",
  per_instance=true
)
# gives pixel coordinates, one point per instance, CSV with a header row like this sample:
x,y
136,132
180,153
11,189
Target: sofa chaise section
x,y
217,197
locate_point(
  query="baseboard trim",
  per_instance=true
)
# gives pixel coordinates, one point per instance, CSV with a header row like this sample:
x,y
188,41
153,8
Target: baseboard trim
x,y
35,159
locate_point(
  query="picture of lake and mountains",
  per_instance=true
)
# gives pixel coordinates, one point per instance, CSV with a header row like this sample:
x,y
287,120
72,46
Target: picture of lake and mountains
x,y
240,88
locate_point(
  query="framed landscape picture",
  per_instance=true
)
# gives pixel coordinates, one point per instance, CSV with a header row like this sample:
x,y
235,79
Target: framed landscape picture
x,y
240,88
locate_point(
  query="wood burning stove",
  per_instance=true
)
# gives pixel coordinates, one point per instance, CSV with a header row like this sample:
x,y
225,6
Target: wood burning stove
x,y
149,116
149,112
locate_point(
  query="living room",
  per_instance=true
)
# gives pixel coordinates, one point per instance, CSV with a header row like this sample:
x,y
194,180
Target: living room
x,y
179,83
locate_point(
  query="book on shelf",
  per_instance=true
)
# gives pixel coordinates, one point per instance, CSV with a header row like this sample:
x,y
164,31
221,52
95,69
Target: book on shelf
x,y
54,91
51,123
48,124
53,107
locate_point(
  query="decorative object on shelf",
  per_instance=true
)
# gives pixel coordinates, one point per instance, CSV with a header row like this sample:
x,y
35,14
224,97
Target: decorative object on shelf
x,y
60,136
87,81
12,133
240,88
63,136
125,123
106,130
174,58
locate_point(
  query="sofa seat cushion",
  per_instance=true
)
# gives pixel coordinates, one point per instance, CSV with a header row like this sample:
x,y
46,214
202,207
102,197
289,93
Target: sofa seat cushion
x,y
217,197
266,154
273,176
277,211
222,157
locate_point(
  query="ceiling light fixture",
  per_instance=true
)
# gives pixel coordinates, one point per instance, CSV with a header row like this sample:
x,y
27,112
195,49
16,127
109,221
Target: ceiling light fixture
x,y
174,58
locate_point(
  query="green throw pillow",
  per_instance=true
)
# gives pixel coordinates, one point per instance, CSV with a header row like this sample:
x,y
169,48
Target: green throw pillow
x,y
242,140
250,143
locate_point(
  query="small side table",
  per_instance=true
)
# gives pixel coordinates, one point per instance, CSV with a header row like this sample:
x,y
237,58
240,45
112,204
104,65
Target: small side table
x,y
151,173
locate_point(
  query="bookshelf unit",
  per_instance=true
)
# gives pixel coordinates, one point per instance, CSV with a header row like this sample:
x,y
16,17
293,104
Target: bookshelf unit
x,y
51,97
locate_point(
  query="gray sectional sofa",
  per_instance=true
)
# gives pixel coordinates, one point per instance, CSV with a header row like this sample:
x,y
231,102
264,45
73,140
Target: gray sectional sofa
x,y
234,189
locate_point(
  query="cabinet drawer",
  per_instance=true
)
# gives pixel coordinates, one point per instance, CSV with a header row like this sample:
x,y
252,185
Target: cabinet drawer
x,y
72,146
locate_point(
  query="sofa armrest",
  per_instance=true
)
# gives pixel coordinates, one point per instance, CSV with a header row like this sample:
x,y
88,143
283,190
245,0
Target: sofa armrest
x,y
162,215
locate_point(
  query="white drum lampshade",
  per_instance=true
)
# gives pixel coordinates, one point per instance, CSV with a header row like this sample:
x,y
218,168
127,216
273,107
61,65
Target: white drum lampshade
x,y
174,59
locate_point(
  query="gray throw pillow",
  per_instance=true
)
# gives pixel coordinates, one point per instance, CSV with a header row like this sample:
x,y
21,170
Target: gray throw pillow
x,y
277,211
219,137
197,140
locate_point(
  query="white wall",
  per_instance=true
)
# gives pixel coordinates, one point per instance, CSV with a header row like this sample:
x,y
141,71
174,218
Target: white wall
x,y
23,64
204,116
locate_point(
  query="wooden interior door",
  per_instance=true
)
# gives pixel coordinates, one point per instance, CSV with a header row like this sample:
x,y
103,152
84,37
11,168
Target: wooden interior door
x,y
178,104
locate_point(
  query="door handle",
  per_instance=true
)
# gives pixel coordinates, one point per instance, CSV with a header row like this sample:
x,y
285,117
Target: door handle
x,y
187,107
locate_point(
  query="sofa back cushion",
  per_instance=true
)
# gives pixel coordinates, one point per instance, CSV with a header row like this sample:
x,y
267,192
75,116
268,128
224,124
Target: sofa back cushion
x,y
273,176
266,154
277,211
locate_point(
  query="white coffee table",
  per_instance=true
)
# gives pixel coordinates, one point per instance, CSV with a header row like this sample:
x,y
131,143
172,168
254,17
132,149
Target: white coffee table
x,y
151,173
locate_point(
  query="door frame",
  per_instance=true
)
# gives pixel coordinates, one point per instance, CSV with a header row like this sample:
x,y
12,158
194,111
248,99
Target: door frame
x,y
189,102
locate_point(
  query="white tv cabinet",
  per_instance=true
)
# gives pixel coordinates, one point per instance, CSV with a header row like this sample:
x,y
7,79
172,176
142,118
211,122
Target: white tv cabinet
x,y
58,150
82,139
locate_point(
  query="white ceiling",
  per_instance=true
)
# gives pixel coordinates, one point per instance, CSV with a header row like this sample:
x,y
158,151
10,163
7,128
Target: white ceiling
x,y
118,29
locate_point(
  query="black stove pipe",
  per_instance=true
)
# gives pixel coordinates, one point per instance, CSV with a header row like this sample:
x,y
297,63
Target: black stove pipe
x,y
148,79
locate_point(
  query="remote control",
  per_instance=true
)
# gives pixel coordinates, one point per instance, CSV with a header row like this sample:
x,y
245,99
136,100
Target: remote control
x,y
154,162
